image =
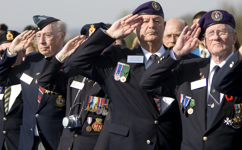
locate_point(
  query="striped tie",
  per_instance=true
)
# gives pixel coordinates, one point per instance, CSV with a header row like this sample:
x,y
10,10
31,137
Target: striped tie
x,y
157,102
153,57
40,94
6,98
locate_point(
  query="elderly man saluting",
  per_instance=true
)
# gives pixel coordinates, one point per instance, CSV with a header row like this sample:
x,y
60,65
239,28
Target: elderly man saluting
x,y
137,121
203,109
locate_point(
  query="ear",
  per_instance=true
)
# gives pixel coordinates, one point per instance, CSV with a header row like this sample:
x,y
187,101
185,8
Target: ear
x,y
235,36
203,40
63,35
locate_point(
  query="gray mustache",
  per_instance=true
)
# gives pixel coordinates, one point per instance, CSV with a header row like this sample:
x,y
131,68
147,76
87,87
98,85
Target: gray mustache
x,y
151,31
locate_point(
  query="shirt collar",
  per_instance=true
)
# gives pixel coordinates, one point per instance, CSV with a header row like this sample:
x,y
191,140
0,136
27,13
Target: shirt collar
x,y
147,54
213,64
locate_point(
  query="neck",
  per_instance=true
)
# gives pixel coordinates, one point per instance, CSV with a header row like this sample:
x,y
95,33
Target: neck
x,y
218,59
151,46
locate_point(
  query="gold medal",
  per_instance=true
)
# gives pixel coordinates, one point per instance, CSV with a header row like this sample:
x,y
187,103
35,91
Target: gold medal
x,y
89,128
88,108
60,101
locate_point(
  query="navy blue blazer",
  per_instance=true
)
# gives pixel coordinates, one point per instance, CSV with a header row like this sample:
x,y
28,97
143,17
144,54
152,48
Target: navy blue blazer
x,y
176,83
136,122
10,123
48,116
56,79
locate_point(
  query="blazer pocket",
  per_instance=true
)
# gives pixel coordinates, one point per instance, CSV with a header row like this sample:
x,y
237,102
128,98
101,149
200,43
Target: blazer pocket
x,y
119,129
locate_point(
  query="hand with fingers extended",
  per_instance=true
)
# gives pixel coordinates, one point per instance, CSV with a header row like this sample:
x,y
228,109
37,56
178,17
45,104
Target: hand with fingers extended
x,y
22,41
124,26
186,41
70,47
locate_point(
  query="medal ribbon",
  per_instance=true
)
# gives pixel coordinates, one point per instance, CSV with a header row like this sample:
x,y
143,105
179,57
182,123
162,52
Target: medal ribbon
x,y
88,100
186,102
125,71
89,120
95,102
182,98
119,69
92,102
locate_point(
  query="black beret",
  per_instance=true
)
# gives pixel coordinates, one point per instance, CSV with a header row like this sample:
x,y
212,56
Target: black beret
x,y
42,21
8,36
88,29
151,7
3,27
215,17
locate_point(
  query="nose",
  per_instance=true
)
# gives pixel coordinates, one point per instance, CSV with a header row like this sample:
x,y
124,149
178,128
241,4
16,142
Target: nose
x,y
173,38
41,39
151,24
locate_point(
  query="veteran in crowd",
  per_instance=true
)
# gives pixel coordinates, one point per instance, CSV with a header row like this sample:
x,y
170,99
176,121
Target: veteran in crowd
x,y
205,113
138,122
42,112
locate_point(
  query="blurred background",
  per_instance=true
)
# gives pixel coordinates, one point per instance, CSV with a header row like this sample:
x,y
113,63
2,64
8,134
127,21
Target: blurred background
x,y
76,13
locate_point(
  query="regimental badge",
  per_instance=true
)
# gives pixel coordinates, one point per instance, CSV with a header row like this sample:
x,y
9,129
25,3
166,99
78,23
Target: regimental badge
x,y
217,16
60,101
97,126
9,36
156,6
42,18
91,30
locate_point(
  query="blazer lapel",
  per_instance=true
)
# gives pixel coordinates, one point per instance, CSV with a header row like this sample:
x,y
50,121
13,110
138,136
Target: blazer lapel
x,y
200,101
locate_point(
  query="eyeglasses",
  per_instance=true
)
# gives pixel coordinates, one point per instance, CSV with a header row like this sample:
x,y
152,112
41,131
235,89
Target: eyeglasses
x,y
168,36
47,36
209,35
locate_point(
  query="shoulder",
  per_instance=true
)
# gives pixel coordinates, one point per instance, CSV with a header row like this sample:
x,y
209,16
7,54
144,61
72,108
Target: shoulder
x,y
35,56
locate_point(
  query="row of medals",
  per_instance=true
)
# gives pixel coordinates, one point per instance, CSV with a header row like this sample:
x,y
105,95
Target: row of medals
x,y
99,111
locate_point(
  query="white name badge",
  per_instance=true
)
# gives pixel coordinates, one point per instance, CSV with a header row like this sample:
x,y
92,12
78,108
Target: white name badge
x,y
198,84
77,85
26,78
135,59
1,96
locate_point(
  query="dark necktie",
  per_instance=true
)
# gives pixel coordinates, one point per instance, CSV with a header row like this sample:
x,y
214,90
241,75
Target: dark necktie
x,y
6,98
40,94
213,100
153,57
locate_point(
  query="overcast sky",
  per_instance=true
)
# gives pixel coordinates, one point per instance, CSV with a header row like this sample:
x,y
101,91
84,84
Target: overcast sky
x,y
75,13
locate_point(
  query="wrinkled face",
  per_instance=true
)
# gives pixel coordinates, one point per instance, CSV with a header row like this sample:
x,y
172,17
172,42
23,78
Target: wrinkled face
x,y
151,29
49,40
219,39
172,31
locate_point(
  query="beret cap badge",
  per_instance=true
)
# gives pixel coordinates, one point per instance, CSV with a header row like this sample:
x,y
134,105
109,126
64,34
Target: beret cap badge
x,y
156,6
91,30
9,36
217,16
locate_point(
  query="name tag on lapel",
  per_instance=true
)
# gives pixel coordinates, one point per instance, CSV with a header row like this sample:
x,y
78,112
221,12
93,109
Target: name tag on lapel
x,y
77,85
26,78
198,84
135,59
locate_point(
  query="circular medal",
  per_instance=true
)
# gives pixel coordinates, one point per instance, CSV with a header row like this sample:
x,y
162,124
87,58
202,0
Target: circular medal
x,y
117,77
105,112
190,111
60,101
89,128
123,79
98,111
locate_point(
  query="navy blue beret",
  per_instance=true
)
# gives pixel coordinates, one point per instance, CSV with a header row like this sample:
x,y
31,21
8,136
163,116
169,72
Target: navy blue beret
x,y
88,29
42,21
8,36
3,27
215,17
151,7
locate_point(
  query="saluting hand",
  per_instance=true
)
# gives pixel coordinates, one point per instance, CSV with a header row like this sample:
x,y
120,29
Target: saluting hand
x,y
123,27
70,47
186,41
22,41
